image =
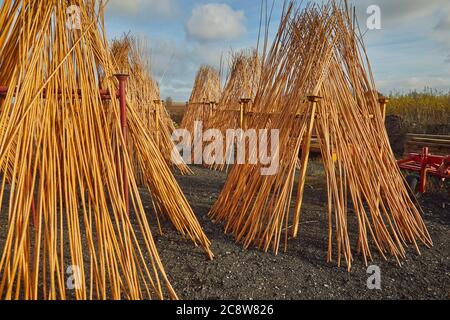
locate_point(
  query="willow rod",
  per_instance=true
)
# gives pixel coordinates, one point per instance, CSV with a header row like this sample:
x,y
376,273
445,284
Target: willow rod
x,y
315,54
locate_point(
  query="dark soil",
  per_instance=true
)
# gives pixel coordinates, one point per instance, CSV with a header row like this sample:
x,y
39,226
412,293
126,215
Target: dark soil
x,y
302,272
397,131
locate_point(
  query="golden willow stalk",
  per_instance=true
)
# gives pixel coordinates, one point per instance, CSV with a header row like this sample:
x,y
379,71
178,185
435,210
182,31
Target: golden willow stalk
x,y
204,97
60,146
242,84
316,53
131,56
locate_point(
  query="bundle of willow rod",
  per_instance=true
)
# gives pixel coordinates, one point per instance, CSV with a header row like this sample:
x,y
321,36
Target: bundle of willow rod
x,y
60,152
316,53
131,56
167,197
204,97
242,83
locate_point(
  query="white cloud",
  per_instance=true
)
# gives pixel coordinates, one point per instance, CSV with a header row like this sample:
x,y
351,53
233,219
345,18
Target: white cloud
x,y
134,8
214,21
174,65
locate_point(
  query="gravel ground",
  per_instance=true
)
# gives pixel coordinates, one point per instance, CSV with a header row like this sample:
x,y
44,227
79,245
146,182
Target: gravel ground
x,y
302,272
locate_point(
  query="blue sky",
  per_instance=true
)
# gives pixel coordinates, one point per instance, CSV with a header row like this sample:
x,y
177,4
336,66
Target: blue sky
x,y
411,51
180,37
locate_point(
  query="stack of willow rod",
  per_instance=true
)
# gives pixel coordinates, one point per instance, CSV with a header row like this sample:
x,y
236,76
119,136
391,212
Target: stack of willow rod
x,y
316,53
205,94
131,56
159,180
242,83
62,151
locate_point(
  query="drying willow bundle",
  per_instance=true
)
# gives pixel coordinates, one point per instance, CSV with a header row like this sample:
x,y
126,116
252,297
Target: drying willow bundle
x,y
204,97
131,56
242,83
317,53
142,90
60,147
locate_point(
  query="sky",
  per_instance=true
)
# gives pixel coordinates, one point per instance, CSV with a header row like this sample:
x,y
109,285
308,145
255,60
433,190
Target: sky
x,y
183,34
410,51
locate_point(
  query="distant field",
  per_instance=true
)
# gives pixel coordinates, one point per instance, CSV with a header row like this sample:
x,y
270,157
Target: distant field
x,y
426,112
177,110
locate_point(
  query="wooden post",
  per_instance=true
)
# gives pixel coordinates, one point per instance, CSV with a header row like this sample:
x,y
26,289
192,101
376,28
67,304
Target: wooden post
x,y
304,163
383,106
123,118
203,110
243,113
212,105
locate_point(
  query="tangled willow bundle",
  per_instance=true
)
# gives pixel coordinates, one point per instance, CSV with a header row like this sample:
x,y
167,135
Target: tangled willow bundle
x,y
60,146
242,81
316,53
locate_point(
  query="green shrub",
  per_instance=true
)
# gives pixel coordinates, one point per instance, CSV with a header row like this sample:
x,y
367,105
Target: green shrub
x,y
426,112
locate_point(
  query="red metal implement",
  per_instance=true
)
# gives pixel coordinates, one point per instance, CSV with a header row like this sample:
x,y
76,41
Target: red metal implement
x,y
426,164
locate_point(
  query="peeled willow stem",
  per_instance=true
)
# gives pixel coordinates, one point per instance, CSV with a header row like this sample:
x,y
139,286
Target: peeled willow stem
x,y
316,53
242,83
60,150
206,92
131,56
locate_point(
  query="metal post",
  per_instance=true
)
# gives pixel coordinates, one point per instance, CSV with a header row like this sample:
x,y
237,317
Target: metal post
x,y
424,170
304,162
123,119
